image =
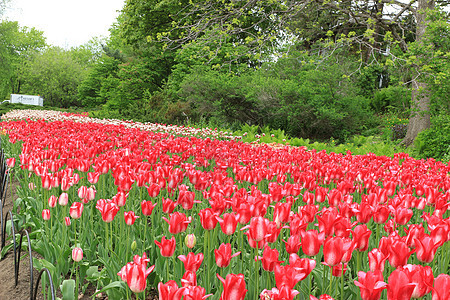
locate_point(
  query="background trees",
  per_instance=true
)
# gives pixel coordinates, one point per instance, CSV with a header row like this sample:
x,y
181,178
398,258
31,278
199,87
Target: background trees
x,y
315,69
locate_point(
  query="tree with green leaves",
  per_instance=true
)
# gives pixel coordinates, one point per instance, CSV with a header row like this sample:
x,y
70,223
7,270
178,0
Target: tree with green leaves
x,y
374,29
17,47
54,74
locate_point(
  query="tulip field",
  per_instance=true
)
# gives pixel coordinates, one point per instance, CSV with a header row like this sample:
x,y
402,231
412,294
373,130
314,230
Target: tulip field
x,y
138,210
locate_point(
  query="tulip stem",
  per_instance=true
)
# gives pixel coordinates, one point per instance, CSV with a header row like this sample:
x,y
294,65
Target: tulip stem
x,y
342,282
257,272
76,280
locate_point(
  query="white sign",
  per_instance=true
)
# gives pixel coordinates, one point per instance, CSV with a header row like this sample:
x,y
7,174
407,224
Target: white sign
x,y
27,99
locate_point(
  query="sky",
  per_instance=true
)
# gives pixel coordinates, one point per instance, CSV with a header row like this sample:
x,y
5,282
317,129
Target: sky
x,y
66,23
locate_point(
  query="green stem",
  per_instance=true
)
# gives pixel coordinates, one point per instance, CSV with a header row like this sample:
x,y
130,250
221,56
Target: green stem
x,y
342,282
256,272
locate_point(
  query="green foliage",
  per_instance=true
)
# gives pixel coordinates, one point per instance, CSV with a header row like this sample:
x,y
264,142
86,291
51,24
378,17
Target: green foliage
x,y
55,74
17,46
297,98
392,98
435,141
100,82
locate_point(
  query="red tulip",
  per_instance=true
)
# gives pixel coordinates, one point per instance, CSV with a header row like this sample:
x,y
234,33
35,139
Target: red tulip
x,y
402,215
136,273
414,231
361,236
371,285
147,207
93,177
108,209
233,287
170,291
186,198
441,290
398,253
90,194
65,183
284,293
288,275
153,189
167,247
376,260
338,270
293,244
82,192
46,214
129,217
311,242
399,285
273,231
303,266
52,201
381,214
195,293
10,162
120,199
178,222
168,205
208,219
426,248
281,212
192,261
189,279
67,221
76,209
223,255
228,223
333,250
269,259
422,277
327,219
257,228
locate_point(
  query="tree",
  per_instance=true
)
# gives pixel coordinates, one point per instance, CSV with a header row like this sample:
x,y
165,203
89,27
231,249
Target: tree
x,y
54,74
17,46
373,28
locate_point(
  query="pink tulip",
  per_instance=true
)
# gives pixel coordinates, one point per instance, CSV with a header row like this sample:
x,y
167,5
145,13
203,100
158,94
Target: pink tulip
x,y
46,214
77,254
76,210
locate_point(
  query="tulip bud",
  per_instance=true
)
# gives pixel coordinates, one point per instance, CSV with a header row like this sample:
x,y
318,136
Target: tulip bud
x,y
190,241
67,221
52,201
133,246
63,199
77,254
46,214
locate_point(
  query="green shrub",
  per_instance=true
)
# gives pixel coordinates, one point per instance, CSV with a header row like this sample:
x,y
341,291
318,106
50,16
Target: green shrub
x,y
435,141
391,98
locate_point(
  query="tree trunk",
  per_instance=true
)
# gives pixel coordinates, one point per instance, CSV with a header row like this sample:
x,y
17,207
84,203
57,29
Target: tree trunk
x,y
419,119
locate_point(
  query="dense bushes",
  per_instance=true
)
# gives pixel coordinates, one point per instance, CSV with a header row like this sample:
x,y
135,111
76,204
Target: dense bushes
x,y
299,99
435,142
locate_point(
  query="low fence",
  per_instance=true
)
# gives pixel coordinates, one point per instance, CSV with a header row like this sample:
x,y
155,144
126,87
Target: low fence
x,y
17,247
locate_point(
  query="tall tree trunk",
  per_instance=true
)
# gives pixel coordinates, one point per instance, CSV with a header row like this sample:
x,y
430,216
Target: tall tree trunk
x,y
419,119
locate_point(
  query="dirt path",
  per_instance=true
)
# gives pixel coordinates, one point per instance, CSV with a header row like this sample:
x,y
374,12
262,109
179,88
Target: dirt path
x,y
8,290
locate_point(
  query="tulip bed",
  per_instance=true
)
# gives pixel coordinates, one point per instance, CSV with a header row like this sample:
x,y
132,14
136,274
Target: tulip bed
x,y
127,209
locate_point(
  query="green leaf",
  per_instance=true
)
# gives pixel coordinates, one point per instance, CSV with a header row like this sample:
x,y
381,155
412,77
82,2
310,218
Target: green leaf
x,y
68,289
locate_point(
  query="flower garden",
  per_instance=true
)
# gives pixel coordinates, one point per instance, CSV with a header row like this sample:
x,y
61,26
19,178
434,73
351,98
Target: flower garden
x,y
195,213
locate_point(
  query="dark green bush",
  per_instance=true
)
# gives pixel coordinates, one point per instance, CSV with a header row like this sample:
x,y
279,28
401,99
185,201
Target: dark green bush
x,y
435,141
392,97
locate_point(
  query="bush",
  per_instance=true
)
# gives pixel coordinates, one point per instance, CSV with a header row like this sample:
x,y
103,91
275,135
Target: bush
x,y
391,98
435,141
